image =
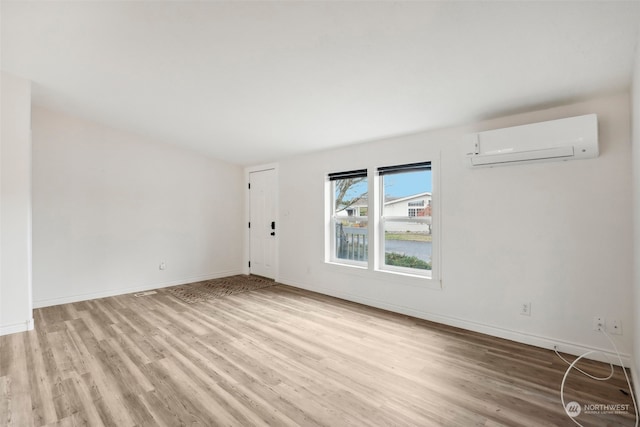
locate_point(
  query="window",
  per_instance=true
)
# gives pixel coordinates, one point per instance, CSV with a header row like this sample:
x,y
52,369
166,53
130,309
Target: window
x,y
349,221
399,203
417,212
405,225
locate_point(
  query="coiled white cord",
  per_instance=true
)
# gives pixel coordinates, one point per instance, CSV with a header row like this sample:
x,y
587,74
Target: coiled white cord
x,y
555,348
572,365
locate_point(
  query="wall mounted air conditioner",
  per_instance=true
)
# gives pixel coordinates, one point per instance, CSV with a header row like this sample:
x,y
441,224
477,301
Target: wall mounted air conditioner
x,y
564,139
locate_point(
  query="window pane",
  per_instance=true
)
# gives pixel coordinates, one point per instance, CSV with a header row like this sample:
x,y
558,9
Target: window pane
x,y
407,244
350,208
350,196
352,240
407,192
406,220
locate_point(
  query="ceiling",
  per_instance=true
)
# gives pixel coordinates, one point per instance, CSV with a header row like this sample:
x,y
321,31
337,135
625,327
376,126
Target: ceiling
x,y
253,82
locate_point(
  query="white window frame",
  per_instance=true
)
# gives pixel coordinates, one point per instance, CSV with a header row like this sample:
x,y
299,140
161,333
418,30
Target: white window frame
x,y
383,219
333,221
372,270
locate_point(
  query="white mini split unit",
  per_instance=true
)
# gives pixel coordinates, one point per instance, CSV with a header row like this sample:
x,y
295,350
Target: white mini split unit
x,y
565,139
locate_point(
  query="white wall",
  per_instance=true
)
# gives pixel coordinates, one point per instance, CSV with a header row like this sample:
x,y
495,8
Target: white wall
x,y
15,205
109,206
635,108
557,235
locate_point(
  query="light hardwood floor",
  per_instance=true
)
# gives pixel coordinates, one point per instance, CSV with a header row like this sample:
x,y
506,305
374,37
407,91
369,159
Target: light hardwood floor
x,y
279,356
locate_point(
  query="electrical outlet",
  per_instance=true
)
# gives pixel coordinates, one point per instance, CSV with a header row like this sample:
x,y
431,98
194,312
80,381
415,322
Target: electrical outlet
x,y
162,266
599,324
615,327
525,309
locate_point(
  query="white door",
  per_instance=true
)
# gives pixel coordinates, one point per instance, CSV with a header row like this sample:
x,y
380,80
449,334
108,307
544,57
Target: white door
x,y
262,228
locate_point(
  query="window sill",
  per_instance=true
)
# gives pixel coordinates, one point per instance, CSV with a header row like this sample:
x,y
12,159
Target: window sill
x,y
404,273
346,265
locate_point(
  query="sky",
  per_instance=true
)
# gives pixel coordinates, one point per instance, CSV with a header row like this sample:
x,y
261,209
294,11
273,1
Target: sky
x,y
407,184
400,184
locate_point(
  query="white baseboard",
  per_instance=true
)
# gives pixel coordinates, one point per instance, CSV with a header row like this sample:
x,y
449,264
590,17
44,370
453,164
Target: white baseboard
x,y
113,292
602,355
14,328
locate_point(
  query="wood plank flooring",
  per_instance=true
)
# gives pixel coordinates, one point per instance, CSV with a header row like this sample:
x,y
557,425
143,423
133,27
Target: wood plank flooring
x,y
281,357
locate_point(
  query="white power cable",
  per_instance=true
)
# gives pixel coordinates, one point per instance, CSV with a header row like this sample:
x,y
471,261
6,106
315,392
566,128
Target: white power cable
x,y
572,365
564,405
555,348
